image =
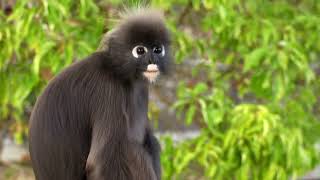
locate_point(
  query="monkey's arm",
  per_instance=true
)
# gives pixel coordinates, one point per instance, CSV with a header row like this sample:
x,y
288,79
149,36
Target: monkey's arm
x,y
106,159
112,155
152,146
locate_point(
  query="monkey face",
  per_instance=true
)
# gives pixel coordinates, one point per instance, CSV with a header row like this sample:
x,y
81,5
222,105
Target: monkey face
x,y
150,60
139,47
149,44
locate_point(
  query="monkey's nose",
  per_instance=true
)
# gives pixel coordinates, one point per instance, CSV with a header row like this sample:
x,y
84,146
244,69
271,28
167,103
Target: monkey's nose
x,y
151,61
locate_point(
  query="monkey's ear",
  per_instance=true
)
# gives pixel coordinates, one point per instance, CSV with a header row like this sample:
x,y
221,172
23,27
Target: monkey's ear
x,y
105,41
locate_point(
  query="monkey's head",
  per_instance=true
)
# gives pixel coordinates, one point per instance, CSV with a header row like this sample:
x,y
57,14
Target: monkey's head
x,y
139,46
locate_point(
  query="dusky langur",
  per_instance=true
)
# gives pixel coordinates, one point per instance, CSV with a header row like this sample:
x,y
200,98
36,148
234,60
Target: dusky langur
x,y
90,122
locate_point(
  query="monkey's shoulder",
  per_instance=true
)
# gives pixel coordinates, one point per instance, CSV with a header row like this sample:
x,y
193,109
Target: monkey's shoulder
x,y
84,76
89,66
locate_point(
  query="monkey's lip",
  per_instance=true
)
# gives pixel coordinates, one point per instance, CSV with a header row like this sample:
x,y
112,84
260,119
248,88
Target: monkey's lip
x,y
152,68
152,71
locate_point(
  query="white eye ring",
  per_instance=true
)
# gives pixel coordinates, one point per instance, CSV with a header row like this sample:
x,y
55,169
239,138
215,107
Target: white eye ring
x,y
163,52
135,52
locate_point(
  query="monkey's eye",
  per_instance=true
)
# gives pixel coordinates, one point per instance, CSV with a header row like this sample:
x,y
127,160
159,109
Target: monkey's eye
x,y
159,50
139,51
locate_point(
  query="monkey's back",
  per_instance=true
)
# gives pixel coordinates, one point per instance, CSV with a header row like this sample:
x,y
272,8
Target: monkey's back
x,y
60,134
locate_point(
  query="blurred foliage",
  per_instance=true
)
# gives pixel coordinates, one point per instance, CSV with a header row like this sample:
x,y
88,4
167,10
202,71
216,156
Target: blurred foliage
x,y
38,39
258,104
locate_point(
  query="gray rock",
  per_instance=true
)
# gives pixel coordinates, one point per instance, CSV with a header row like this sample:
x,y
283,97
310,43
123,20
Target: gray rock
x,y
12,152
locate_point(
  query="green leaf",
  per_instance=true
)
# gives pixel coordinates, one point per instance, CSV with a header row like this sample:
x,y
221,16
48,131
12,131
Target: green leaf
x,y
199,88
190,114
222,12
254,58
208,4
283,60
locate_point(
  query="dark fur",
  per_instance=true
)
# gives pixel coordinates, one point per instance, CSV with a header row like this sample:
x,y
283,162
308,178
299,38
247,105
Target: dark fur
x,y
90,123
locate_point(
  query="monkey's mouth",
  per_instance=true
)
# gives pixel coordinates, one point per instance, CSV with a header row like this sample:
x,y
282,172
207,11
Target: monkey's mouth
x,y
151,73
